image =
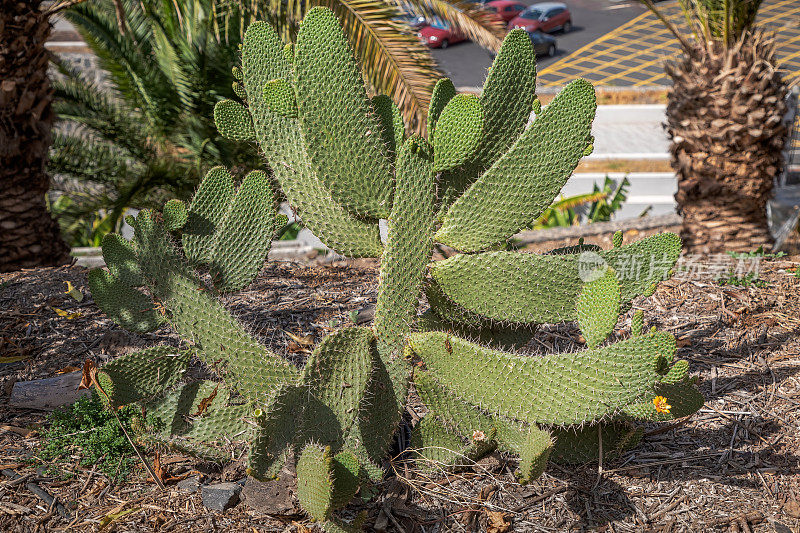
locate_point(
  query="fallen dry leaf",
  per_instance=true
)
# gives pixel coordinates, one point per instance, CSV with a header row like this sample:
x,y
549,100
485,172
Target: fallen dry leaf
x,y
66,314
112,516
89,376
205,402
13,359
67,369
73,293
498,522
306,340
158,469
23,432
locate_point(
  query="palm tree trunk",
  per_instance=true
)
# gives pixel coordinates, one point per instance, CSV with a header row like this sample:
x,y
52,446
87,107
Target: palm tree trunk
x,y
29,236
725,117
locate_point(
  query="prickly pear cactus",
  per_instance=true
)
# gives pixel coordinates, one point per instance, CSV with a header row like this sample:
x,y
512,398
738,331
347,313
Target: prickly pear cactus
x,y
342,161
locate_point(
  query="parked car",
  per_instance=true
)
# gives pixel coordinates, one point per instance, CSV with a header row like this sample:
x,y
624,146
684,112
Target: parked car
x,y
543,44
439,34
416,22
505,9
547,17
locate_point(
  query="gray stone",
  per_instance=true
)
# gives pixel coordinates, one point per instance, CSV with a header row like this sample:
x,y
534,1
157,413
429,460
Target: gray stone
x,y
780,527
220,496
190,484
274,496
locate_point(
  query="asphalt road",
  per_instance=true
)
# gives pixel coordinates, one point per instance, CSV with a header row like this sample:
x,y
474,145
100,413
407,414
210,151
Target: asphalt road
x,y
466,63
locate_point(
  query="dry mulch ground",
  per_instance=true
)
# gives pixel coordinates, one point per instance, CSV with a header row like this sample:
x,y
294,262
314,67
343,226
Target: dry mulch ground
x,y
734,466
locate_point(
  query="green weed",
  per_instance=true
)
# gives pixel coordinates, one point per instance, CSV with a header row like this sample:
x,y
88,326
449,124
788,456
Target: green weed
x,y
89,430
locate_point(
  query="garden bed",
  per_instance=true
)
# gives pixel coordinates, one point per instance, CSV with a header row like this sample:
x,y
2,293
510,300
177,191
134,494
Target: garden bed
x,y
733,466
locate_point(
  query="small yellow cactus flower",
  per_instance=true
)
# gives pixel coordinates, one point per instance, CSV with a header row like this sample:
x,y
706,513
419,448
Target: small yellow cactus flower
x,y
478,436
661,404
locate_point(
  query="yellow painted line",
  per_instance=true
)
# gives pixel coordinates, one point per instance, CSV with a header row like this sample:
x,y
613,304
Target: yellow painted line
x,y
645,35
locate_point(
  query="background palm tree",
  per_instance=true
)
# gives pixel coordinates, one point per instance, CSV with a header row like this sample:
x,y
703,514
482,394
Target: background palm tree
x,y
725,117
149,133
29,236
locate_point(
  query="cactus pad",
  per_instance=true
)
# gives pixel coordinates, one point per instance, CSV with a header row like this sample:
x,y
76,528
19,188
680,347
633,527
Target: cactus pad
x,y
233,121
458,132
523,182
557,389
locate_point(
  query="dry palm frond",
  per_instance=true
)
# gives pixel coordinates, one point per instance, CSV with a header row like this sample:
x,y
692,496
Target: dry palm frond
x,y
395,62
60,5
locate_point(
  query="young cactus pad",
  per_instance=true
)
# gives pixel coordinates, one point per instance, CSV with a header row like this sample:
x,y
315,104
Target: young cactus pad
x,y
342,161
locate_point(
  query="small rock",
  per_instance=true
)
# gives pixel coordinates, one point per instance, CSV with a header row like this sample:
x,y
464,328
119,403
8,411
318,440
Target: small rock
x,y
190,484
780,527
274,496
220,496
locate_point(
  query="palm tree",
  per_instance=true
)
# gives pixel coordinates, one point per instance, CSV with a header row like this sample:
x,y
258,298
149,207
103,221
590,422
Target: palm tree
x,y
29,236
725,117
150,134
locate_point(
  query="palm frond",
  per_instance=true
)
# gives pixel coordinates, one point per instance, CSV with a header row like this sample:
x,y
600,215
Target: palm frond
x,y
572,202
394,61
78,100
128,59
711,21
480,26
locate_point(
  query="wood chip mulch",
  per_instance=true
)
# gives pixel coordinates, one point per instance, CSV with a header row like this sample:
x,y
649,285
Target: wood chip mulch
x,y
734,466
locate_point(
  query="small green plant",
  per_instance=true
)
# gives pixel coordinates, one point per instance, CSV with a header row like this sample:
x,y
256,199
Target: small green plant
x,y
757,253
750,279
89,430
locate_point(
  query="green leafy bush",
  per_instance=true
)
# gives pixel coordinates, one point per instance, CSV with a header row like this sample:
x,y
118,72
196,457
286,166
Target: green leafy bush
x,y
89,430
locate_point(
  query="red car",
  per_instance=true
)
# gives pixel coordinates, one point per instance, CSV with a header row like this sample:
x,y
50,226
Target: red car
x,y
505,9
440,35
547,17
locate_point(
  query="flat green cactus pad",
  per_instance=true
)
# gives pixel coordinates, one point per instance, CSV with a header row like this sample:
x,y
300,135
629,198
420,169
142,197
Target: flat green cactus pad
x,y
443,91
233,121
342,135
523,182
142,375
197,418
558,389
507,97
524,288
120,258
244,237
207,210
279,97
282,144
409,244
315,481
175,215
392,126
598,306
451,416
125,305
458,132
